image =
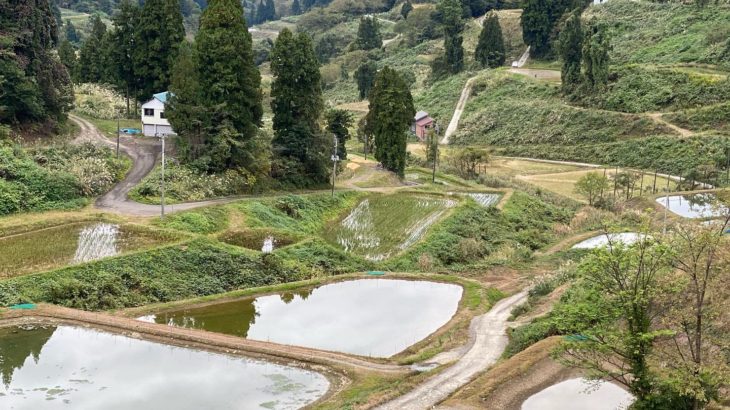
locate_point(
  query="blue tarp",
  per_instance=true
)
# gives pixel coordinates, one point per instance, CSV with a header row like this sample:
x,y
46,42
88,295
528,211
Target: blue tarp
x,y
24,306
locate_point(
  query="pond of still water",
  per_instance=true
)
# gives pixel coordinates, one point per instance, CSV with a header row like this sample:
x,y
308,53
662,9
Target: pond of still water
x,y
369,317
694,206
78,368
579,394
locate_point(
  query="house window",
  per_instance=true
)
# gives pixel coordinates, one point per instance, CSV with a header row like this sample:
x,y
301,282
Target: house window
x,y
162,114
149,112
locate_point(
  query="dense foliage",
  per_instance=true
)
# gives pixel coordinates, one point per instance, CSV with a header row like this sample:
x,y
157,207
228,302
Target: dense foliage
x,y
34,85
368,34
390,116
490,49
299,146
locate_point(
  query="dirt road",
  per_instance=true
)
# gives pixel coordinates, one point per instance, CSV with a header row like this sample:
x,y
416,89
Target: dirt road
x,y
454,124
144,154
488,339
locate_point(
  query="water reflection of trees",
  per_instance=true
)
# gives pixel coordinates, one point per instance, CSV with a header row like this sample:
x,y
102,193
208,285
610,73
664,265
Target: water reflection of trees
x,y
287,297
17,344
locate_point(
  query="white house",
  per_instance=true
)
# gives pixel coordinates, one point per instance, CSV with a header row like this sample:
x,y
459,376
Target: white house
x,y
154,122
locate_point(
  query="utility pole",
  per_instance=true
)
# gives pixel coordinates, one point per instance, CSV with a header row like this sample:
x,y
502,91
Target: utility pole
x,y
162,180
335,158
118,130
666,205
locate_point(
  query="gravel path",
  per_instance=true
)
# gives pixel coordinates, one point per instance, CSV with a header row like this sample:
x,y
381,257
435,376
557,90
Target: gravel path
x,y
454,124
144,153
488,339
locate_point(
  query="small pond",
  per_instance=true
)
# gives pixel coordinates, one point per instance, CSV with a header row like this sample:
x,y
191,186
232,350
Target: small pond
x,y
369,317
580,394
694,206
602,241
381,226
78,368
69,244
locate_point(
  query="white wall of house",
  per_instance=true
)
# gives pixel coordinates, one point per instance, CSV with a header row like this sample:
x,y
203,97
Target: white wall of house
x,y
155,124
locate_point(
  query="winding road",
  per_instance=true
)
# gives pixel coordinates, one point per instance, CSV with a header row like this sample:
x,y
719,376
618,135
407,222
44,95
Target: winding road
x,y
144,154
487,341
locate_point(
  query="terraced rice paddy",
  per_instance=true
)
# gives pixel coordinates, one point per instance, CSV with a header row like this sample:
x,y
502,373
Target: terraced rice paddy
x,y
695,206
602,241
381,226
78,368
579,394
369,317
264,240
485,199
69,244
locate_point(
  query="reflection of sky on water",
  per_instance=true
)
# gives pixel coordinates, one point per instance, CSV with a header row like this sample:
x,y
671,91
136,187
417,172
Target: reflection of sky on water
x,y
87,369
370,317
601,241
578,394
694,206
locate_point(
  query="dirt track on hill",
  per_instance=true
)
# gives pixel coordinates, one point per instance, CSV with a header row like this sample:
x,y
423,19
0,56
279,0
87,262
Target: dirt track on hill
x,y
488,339
144,154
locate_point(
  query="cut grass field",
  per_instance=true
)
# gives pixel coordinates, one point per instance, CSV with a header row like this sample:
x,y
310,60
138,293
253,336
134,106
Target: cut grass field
x,y
563,183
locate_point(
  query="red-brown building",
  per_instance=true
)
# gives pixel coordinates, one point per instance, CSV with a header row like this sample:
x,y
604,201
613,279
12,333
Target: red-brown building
x,y
421,124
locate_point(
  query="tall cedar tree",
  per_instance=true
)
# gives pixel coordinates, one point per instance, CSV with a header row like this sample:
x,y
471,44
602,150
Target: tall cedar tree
x,y
338,124
34,85
452,23
67,55
539,18
490,49
230,83
390,116
296,8
184,111
301,150
122,52
70,32
365,76
90,68
158,36
595,57
406,9
571,52
368,34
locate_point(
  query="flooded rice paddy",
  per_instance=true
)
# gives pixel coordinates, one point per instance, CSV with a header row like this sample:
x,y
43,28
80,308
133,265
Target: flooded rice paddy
x,y
579,394
69,244
694,206
369,317
381,226
264,240
79,368
485,199
602,241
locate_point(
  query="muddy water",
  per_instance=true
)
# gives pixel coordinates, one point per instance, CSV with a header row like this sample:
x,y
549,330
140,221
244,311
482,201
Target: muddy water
x,y
77,368
694,206
369,317
602,241
579,394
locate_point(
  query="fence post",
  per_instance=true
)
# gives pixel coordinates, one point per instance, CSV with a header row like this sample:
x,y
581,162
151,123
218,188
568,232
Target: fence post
x,y
653,190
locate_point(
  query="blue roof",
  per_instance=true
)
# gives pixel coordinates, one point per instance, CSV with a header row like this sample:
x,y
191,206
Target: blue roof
x,y
162,96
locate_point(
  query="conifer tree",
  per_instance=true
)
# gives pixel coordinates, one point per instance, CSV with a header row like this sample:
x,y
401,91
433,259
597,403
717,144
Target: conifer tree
x,y
365,76
184,110
390,116
230,83
338,124
406,9
595,57
158,36
301,150
368,34
296,8
122,52
452,23
571,52
67,55
91,62
70,31
490,49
